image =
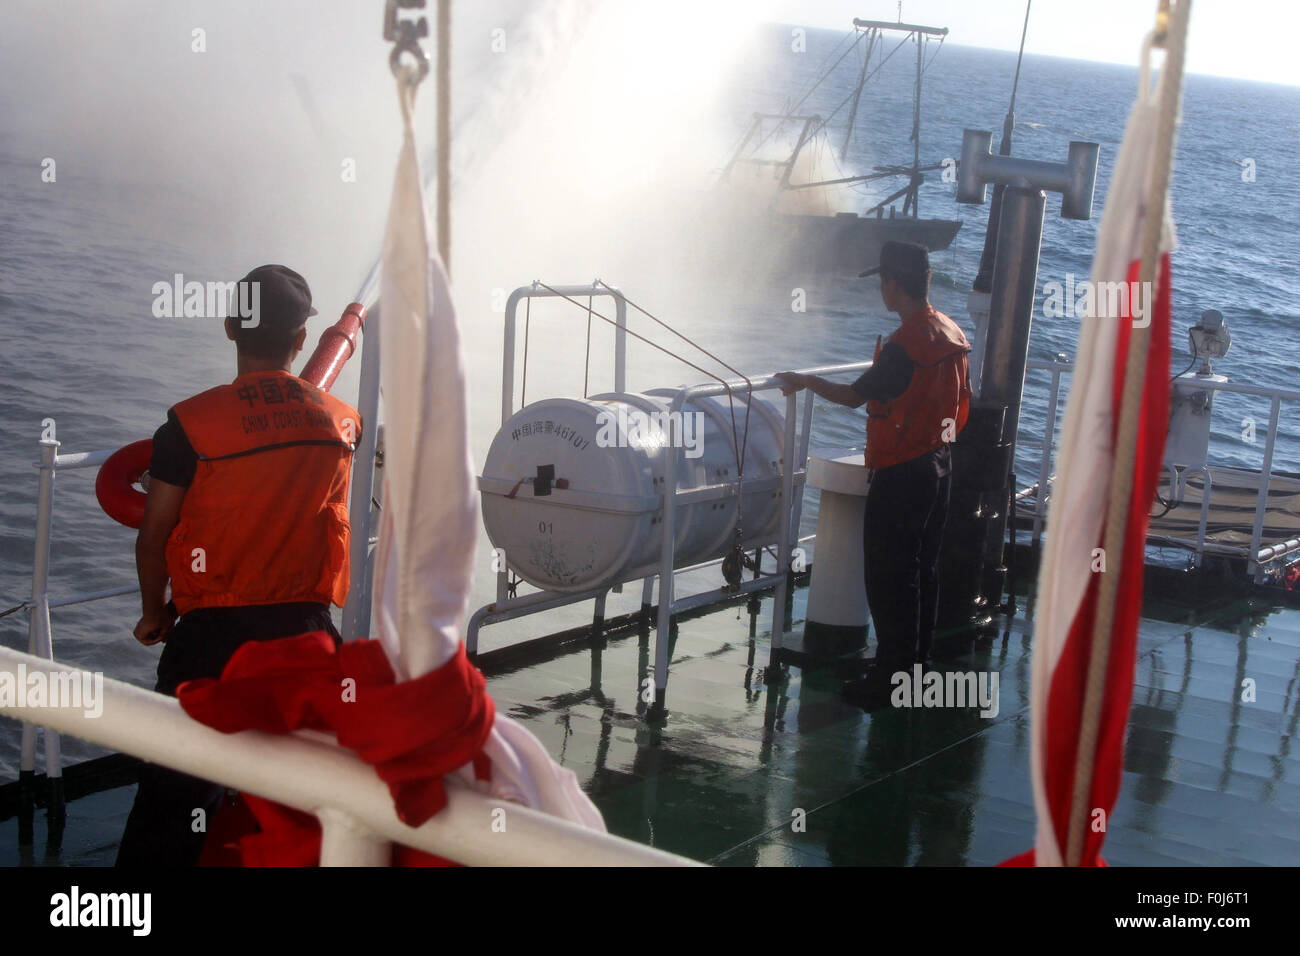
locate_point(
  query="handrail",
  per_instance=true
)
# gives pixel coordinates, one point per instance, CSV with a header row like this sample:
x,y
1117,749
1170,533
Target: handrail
x,y
321,778
763,382
1285,394
83,459
313,775
1254,555
794,455
680,397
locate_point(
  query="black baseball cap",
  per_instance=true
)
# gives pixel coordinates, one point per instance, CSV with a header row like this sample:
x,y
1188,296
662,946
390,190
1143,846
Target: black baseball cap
x,y
901,259
284,298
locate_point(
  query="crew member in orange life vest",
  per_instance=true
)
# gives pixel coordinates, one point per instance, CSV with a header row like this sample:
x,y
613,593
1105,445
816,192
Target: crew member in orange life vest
x,y
917,394
247,518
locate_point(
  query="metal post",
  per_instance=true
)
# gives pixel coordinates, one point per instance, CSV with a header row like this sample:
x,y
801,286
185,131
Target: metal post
x,y
356,612
508,355
1045,460
668,528
40,642
620,343
1206,487
1011,549
783,542
797,518
346,841
1253,566
1011,309
1011,312
977,306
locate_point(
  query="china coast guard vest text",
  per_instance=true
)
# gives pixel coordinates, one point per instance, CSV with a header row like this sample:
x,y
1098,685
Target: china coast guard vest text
x,y
913,424
268,504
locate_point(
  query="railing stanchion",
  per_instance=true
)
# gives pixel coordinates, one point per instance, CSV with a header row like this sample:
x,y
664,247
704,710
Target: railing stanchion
x,y
668,528
1253,567
345,841
620,343
783,543
356,611
802,464
38,627
1045,461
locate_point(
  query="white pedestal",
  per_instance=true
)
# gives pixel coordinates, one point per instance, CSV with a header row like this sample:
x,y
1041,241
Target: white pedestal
x,y
1190,409
837,596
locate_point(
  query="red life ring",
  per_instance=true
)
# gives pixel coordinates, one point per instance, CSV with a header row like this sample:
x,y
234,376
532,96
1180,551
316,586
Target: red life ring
x,y
115,485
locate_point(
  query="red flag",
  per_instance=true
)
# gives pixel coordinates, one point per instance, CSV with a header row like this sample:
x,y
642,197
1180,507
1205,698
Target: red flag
x,y
1068,748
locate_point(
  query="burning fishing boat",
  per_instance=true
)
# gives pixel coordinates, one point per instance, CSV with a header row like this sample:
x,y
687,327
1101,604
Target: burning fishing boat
x,y
802,204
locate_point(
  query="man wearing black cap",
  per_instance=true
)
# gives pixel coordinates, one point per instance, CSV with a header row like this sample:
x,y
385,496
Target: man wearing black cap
x,y
917,394
246,518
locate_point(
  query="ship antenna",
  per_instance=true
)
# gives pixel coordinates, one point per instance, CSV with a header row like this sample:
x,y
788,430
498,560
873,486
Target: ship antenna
x,y
1011,110
984,280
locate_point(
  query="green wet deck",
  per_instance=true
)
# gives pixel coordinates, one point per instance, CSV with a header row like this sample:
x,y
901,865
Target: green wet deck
x,y
1209,780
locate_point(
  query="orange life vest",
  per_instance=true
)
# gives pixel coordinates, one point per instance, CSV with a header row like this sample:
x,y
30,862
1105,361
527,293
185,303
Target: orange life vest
x,y
268,503
936,403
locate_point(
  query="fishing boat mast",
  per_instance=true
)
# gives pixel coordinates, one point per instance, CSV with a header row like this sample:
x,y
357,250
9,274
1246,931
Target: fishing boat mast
x,y
873,29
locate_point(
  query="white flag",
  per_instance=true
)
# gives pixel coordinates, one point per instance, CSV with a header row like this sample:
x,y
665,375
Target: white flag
x,y
425,557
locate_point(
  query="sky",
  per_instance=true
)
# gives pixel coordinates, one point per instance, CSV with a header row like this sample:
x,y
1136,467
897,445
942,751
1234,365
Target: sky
x,y
1250,39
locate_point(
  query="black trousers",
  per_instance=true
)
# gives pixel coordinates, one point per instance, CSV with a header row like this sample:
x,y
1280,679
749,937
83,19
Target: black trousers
x,y
902,530
165,827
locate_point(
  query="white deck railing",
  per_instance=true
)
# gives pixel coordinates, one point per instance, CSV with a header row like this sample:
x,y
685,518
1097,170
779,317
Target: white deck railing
x,y
1254,555
306,771
311,773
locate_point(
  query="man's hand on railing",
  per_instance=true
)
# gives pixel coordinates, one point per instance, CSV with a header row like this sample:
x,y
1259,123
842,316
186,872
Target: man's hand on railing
x,y
796,382
837,392
156,625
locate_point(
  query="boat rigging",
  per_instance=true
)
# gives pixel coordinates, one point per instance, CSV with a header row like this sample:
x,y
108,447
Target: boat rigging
x,y
827,239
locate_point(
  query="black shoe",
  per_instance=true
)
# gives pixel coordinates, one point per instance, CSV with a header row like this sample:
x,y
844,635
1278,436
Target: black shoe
x,y
869,693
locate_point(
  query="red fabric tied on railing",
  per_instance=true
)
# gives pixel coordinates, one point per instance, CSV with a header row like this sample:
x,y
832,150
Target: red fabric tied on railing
x,y
413,733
